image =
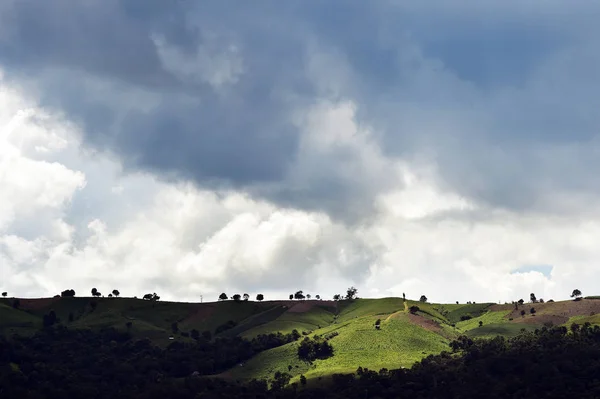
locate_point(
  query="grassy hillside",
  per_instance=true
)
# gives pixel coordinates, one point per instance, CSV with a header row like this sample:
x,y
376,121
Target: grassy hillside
x,y
17,321
402,339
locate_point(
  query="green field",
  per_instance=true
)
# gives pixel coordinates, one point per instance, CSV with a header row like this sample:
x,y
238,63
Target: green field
x,y
487,318
504,329
402,340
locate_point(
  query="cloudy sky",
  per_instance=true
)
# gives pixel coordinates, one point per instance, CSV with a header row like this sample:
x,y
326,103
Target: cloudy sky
x,y
187,148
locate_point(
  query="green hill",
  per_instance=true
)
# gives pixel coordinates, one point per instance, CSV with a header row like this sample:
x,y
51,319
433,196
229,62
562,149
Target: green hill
x,y
402,339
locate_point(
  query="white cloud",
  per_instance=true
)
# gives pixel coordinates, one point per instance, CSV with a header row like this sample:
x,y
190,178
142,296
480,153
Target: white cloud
x,y
181,241
405,196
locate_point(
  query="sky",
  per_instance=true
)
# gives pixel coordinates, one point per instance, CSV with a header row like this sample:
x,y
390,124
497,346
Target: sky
x,y
189,148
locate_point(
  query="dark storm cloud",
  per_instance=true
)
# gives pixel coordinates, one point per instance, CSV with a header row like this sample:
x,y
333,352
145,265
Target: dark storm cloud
x,y
493,92
242,135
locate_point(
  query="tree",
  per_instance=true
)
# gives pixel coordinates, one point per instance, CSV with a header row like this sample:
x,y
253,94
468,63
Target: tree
x,y
521,301
532,311
423,299
4,294
147,297
155,297
246,297
576,293
299,295
480,323
318,297
414,309
541,300
68,293
237,297
223,297
523,313
291,296
116,293
532,298
307,296
260,297
94,291
110,295
351,293
337,297
316,348
404,296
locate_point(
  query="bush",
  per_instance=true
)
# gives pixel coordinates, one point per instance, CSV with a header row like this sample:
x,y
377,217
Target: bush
x,y
316,348
466,317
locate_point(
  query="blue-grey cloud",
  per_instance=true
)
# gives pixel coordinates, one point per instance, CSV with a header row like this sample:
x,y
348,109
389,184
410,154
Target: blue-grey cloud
x,y
503,96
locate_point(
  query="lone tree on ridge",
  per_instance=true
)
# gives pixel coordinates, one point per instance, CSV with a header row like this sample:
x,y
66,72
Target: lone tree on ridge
x,y
351,292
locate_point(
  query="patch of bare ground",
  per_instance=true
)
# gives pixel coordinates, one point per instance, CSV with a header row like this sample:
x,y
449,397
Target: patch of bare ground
x,y
557,312
302,307
305,306
200,313
37,303
541,319
425,323
500,308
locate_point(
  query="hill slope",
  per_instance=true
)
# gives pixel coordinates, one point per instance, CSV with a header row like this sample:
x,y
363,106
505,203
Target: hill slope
x,y
402,339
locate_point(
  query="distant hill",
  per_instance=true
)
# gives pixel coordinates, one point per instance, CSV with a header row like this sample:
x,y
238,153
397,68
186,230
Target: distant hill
x,y
403,337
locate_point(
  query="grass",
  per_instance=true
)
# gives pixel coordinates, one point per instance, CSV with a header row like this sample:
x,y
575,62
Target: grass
x,y
582,319
17,321
367,307
287,321
490,317
505,329
256,321
473,310
399,343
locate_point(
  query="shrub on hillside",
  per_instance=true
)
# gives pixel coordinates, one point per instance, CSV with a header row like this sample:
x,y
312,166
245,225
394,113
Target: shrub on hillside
x,y
315,348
